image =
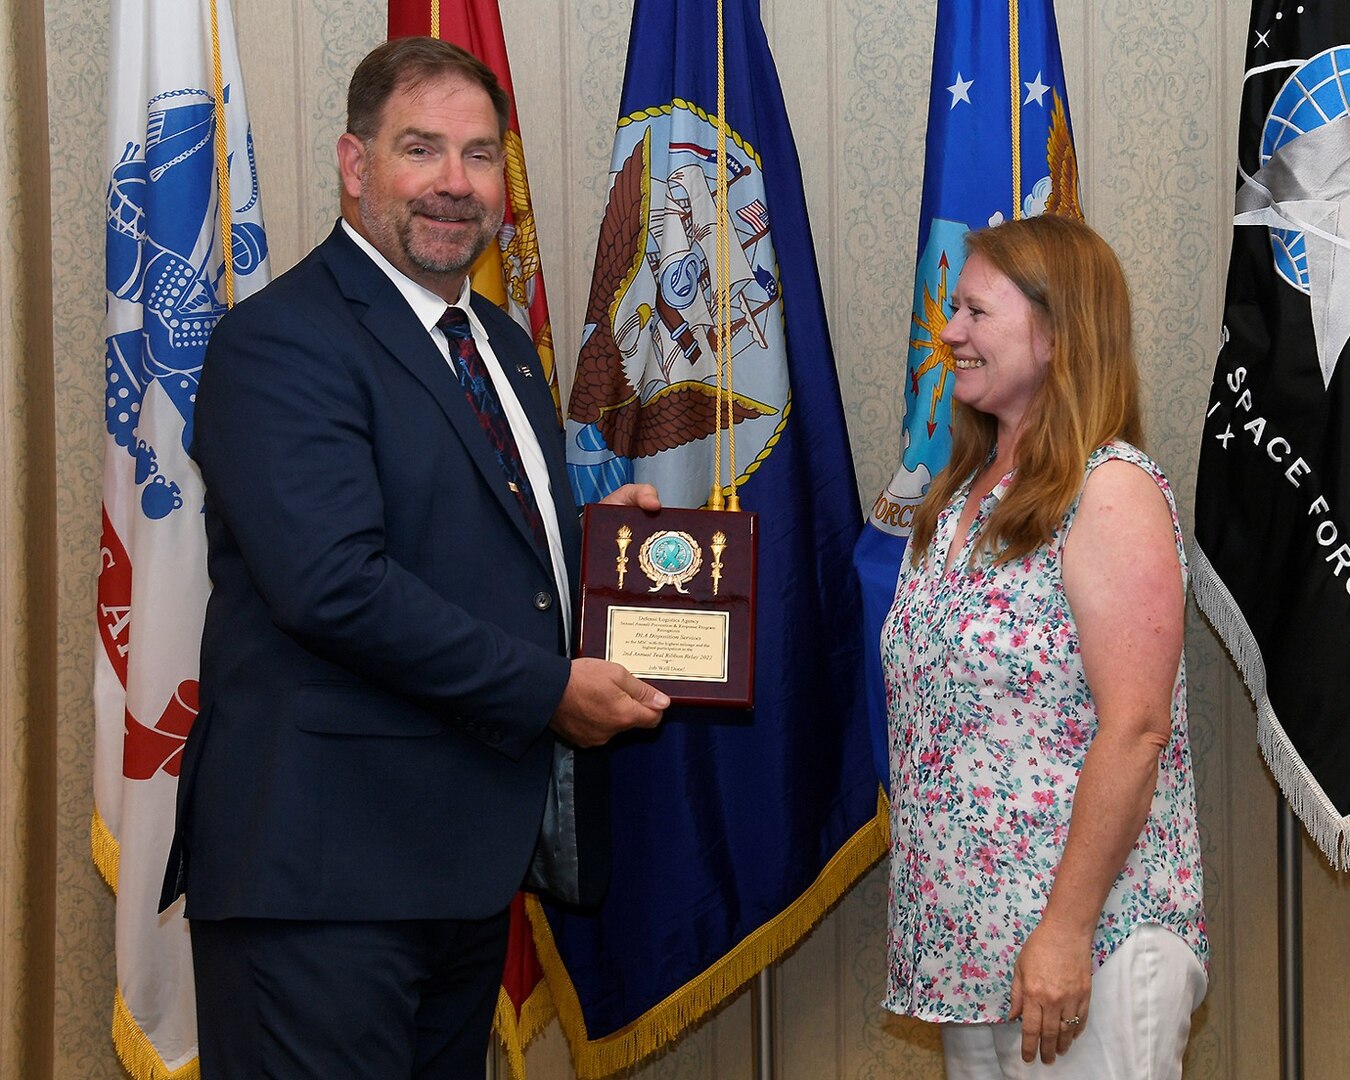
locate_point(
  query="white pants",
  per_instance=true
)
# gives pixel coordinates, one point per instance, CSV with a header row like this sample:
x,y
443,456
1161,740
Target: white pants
x,y
1140,1019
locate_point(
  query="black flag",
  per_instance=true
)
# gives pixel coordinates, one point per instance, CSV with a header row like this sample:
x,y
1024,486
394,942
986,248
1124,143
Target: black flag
x,y
1272,528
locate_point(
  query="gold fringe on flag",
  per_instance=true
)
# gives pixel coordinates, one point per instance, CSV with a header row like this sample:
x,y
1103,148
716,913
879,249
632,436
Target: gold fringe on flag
x,y
705,992
515,1035
136,1053
104,849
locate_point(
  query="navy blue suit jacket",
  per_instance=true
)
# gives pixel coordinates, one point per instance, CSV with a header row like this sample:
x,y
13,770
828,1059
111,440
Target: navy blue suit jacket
x,y
383,646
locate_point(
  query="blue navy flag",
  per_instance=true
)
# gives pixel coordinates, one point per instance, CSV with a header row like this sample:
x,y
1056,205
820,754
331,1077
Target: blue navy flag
x,y
184,236
733,831
999,147
1271,566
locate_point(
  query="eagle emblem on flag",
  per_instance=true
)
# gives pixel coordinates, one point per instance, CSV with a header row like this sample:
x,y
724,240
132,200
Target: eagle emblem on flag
x,y
161,264
646,378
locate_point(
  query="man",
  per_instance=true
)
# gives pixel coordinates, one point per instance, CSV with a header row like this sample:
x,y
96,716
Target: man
x,y
392,549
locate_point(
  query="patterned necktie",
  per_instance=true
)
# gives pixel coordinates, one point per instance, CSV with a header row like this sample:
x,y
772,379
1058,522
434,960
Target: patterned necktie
x,y
482,396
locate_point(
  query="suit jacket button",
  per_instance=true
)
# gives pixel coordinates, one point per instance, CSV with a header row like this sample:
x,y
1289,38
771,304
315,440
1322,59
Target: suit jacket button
x,y
543,601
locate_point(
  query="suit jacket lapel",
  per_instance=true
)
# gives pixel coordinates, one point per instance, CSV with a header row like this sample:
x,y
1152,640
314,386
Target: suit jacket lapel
x,y
391,322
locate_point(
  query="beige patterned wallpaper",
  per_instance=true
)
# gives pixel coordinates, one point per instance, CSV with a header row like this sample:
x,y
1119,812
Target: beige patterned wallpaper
x,y
1153,87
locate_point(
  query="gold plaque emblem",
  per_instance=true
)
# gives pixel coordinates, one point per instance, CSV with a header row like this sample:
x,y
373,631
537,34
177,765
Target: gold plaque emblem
x,y
670,557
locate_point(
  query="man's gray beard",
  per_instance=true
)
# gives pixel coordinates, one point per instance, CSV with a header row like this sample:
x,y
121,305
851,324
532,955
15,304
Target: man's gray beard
x,y
460,265
380,229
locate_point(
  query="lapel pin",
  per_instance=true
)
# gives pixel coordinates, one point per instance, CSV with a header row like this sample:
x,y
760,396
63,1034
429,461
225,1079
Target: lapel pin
x,y
524,369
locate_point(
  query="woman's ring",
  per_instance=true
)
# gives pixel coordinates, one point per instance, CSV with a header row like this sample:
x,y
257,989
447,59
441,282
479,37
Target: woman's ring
x,y
1072,1021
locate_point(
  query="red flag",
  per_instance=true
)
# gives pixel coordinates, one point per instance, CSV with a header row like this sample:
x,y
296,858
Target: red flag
x,y
509,273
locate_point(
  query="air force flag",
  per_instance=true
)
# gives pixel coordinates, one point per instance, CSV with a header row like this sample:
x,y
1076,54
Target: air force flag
x,y
999,147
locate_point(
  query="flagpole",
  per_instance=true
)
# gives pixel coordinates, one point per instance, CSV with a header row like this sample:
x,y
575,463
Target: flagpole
x,y
763,1031
1290,853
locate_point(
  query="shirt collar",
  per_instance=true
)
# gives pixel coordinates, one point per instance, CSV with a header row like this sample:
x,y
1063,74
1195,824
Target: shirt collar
x,y
426,305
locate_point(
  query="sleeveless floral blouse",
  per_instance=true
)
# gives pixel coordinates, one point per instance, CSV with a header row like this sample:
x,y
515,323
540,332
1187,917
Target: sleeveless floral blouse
x,y
990,718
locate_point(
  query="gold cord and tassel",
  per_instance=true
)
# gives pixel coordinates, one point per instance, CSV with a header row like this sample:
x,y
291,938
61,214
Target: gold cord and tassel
x,y
725,408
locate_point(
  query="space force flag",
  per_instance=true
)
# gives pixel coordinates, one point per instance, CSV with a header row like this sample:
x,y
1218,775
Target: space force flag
x,y
1272,514
733,831
999,147
184,237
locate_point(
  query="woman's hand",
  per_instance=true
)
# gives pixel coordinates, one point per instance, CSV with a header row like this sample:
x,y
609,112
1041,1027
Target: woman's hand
x,y
1052,984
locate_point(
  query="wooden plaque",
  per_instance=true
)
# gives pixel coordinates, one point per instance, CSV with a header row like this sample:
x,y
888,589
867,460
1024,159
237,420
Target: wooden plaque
x,y
671,596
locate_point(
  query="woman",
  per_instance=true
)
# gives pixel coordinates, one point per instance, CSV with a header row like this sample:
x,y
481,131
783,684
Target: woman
x,y
1045,863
